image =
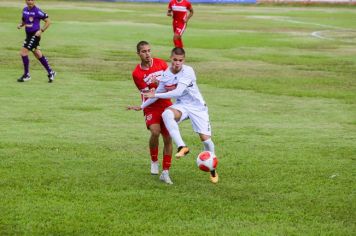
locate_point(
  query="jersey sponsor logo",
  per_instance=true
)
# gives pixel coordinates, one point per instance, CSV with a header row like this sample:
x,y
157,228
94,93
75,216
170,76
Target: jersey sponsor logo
x,y
29,13
170,87
179,8
155,75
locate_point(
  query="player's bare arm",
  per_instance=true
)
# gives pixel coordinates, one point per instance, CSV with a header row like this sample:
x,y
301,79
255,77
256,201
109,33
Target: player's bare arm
x,y
22,24
169,12
149,94
44,28
191,13
135,108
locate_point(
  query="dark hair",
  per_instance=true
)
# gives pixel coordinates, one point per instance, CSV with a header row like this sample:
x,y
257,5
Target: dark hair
x,y
140,44
178,51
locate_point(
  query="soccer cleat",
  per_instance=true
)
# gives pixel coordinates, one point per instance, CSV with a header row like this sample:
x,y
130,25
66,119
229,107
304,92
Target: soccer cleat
x,y
165,177
24,78
182,151
154,168
51,76
214,179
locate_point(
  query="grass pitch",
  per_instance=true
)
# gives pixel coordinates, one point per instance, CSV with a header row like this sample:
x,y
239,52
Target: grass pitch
x,y
280,85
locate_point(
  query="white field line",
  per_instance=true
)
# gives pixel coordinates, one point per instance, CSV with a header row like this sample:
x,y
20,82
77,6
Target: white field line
x,y
316,34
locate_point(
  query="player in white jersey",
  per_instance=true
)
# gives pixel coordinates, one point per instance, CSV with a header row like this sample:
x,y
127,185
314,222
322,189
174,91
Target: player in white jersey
x,y
179,82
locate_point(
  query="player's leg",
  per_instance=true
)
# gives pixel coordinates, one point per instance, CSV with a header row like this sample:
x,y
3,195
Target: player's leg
x,y
201,125
167,159
209,146
178,33
25,60
177,39
207,142
167,154
153,146
171,116
38,54
167,148
177,29
26,65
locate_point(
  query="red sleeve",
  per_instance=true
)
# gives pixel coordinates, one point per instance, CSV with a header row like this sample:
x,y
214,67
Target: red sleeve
x,y
170,5
189,6
140,84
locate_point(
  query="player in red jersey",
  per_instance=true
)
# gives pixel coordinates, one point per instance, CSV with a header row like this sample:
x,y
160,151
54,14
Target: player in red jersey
x,y
178,10
146,76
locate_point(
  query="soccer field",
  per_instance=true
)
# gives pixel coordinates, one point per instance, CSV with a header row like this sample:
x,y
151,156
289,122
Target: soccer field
x,y
280,83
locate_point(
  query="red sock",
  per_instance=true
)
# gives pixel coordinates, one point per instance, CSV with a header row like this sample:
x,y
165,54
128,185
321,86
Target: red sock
x,y
180,41
166,163
176,43
154,154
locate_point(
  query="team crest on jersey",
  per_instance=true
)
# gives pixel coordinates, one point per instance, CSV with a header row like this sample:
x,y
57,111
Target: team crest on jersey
x,y
30,19
170,87
149,117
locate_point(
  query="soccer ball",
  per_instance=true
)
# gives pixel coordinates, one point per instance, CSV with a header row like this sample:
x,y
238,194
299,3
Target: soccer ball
x,y
207,161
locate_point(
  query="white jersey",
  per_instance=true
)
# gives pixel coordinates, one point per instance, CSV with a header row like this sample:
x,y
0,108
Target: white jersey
x,y
191,95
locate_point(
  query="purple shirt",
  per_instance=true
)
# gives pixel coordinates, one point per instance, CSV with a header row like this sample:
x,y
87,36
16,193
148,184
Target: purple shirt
x,y
32,18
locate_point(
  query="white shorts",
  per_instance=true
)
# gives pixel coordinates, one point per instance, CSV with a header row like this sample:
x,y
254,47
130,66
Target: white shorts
x,y
198,116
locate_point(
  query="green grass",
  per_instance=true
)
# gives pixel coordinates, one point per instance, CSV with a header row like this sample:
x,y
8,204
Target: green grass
x,y
282,103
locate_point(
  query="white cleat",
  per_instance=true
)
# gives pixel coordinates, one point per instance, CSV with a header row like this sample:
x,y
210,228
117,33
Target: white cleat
x,y
165,177
154,168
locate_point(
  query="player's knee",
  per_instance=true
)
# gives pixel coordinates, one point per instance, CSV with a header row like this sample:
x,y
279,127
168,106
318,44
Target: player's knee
x,y
23,53
168,115
38,54
155,132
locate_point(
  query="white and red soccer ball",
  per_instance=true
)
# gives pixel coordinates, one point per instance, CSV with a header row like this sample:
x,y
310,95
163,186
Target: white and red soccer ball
x,y
207,161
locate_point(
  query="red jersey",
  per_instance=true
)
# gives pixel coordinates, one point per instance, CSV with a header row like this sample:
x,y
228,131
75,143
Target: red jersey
x,y
179,9
143,79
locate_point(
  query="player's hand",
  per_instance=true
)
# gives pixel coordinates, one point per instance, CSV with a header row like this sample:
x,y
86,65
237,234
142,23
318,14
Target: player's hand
x,y
19,26
38,33
154,80
169,13
135,108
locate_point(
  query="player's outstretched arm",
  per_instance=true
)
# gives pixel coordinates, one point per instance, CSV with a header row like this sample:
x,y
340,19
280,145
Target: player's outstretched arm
x,y
135,108
177,92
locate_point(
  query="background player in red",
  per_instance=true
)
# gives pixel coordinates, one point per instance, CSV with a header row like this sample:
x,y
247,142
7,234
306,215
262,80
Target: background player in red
x,y
178,10
146,76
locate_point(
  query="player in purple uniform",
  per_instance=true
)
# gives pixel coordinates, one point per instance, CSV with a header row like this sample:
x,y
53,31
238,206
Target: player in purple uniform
x,y
31,20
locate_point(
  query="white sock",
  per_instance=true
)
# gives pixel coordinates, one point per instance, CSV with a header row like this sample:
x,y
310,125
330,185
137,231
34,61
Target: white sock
x,y
172,126
209,145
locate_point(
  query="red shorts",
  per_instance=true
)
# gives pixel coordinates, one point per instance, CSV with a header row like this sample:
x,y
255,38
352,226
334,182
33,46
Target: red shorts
x,y
155,117
179,27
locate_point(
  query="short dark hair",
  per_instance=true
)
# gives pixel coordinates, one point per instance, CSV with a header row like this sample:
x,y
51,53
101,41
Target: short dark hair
x,y
140,44
178,51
